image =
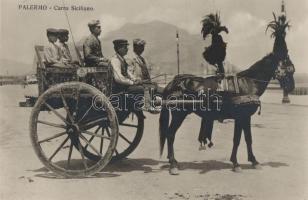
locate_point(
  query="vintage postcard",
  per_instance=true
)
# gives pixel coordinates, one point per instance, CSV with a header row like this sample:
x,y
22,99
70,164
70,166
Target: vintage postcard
x,y
165,99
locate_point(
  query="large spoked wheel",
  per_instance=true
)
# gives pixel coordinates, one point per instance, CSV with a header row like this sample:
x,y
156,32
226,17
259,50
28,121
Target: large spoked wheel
x,y
64,122
130,134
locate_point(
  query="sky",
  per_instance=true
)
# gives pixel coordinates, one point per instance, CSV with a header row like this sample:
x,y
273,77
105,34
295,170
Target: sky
x,y
246,20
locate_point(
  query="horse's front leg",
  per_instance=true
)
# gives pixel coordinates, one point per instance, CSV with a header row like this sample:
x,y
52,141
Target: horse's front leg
x,y
177,119
248,139
236,143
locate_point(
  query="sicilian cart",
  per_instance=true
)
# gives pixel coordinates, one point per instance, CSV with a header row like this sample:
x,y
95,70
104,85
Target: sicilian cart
x,y
74,128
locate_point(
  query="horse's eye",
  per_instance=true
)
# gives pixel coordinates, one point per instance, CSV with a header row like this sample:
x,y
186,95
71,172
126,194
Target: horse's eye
x,y
290,69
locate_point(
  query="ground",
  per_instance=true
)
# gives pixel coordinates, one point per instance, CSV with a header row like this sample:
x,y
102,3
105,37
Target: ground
x,y
280,144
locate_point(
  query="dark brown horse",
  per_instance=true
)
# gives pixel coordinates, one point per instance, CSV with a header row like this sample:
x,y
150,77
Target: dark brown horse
x,y
284,74
252,82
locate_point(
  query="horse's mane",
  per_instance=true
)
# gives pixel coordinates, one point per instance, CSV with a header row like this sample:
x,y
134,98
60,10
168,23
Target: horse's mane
x,y
265,64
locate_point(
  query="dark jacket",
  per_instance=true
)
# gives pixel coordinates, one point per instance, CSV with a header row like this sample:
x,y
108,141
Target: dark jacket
x,y
92,51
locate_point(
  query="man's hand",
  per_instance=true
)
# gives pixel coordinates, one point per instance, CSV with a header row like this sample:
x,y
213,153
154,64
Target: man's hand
x,y
106,64
104,59
75,62
137,82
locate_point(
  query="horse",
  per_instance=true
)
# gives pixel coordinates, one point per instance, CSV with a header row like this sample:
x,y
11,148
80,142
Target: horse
x,y
284,74
252,83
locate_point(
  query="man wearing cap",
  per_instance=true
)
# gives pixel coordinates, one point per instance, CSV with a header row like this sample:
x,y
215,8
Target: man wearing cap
x,y
122,77
139,65
52,55
137,62
92,49
64,50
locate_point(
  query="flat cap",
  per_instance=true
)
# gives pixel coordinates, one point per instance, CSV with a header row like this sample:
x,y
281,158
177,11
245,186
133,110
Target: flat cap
x,y
120,42
63,31
52,31
95,22
139,42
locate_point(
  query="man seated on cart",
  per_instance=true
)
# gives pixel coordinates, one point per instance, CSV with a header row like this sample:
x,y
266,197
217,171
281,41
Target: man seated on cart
x,y
137,63
93,56
92,49
124,81
123,78
52,54
63,36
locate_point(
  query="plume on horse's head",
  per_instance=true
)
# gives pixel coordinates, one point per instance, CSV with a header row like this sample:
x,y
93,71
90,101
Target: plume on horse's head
x,y
211,24
278,27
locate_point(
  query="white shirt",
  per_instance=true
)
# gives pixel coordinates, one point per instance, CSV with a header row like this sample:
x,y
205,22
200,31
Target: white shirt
x,y
52,54
116,62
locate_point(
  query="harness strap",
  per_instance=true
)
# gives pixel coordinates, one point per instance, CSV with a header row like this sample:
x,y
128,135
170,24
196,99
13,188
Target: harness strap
x,y
237,90
259,113
226,84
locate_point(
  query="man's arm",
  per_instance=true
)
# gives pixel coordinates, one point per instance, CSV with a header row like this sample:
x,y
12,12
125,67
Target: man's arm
x,y
50,56
118,77
88,52
66,53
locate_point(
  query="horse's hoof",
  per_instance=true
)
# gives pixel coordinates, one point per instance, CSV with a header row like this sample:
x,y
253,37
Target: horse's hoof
x,y
202,148
257,166
173,171
237,169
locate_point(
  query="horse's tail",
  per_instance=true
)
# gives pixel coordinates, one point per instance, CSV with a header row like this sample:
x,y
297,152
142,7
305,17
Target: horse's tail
x,y
163,128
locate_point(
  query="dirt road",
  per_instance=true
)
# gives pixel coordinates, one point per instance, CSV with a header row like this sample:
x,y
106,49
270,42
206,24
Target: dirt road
x,y
280,144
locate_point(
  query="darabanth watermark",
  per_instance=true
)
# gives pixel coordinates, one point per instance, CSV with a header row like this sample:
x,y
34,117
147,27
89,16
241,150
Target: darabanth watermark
x,y
202,101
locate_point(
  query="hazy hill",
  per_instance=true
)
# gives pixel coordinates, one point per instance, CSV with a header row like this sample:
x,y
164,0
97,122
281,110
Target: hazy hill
x,y
160,50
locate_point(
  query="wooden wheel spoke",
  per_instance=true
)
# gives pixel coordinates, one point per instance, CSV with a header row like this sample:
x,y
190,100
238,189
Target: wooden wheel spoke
x,y
56,113
124,138
94,122
66,107
69,155
116,151
129,125
58,149
52,137
51,124
96,131
88,143
86,113
108,132
95,135
82,155
92,137
90,140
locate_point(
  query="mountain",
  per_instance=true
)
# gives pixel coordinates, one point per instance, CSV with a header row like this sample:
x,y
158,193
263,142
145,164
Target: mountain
x,y
161,46
160,49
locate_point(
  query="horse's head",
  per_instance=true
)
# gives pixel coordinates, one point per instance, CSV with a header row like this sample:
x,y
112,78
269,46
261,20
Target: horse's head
x,y
284,74
285,69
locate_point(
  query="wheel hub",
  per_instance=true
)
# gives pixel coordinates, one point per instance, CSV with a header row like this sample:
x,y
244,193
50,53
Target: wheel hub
x,y
73,130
